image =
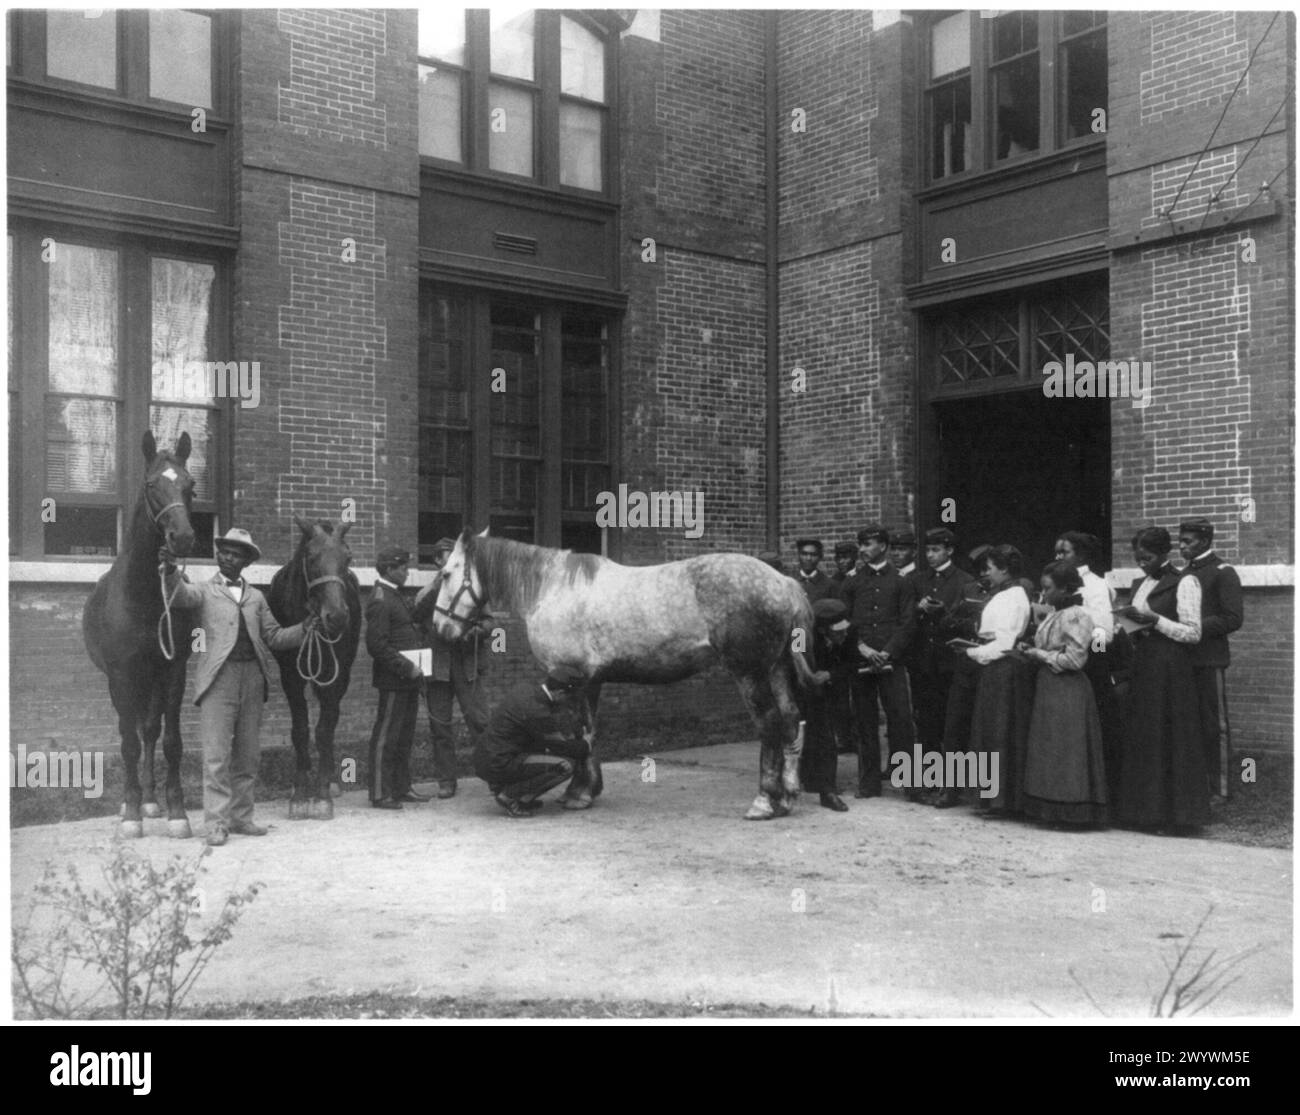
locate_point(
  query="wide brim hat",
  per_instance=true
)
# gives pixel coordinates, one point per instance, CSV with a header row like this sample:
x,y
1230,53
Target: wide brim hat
x,y
237,536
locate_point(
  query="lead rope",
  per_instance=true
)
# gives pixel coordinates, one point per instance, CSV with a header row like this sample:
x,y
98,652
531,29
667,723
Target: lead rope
x,y
314,652
166,636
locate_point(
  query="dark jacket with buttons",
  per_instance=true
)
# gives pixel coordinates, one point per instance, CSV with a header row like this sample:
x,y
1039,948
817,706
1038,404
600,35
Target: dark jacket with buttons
x,y
882,609
1221,608
930,652
391,629
816,587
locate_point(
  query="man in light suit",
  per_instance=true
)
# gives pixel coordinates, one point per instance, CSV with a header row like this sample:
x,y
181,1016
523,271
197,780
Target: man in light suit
x,y
231,686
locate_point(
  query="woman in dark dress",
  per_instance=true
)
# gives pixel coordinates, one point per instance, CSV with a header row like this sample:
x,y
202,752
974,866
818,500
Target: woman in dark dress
x,y
1065,775
1162,774
1004,690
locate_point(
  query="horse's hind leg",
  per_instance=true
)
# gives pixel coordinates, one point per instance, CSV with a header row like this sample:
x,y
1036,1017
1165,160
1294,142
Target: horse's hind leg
x,y
295,692
178,822
778,721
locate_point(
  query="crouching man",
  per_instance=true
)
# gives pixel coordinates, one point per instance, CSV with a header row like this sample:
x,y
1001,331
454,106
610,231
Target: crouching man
x,y
536,738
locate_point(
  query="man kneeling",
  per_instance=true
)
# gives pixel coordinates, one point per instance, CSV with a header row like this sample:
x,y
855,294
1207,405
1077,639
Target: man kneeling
x,y
534,741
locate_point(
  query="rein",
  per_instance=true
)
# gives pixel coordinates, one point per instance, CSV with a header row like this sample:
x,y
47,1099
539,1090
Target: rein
x,y
311,653
166,636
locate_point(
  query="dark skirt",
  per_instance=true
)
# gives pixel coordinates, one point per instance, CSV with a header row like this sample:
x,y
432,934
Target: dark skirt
x,y
1004,698
1065,772
1162,770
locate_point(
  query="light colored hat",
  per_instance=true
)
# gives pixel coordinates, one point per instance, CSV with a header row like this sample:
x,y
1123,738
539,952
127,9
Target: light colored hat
x,y
237,536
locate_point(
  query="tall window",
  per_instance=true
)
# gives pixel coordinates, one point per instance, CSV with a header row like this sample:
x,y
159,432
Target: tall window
x,y
516,92
514,418
101,336
1001,86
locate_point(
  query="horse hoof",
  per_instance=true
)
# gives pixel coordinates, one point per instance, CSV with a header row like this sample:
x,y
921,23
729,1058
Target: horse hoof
x,y
298,809
179,828
132,830
336,790
322,809
577,803
761,810
151,809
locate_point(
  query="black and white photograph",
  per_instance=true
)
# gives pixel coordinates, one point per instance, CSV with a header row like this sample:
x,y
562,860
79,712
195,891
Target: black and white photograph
x,y
709,515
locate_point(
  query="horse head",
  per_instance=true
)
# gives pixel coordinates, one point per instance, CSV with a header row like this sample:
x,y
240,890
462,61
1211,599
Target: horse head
x,y
168,492
324,557
461,598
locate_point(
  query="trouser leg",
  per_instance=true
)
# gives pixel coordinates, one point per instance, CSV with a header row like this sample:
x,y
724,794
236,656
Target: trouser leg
x,y
247,748
217,716
438,696
865,701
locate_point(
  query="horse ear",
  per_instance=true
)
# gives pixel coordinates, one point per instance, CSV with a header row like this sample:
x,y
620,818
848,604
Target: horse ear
x,y
183,448
344,530
303,526
484,532
149,446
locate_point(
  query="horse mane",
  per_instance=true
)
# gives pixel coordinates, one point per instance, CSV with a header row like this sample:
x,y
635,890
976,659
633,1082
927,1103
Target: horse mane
x,y
514,573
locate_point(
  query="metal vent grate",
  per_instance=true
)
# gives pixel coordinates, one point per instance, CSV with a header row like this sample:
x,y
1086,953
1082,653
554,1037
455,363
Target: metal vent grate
x,y
510,242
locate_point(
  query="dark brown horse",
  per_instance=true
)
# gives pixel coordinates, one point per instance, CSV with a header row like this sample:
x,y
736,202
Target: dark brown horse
x,y
143,645
317,581
651,625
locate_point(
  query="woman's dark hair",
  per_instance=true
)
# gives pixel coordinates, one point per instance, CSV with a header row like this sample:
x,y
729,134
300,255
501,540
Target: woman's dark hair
x,y
1155,540
1064,576
1087,547
1004,557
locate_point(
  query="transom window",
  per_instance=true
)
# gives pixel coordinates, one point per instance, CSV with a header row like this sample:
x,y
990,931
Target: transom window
x,y
516,92
991,97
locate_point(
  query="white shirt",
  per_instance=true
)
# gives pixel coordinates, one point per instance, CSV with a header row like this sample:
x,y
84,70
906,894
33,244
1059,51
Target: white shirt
x,y
1098,602
236,590
388,584
1005,618
1188,627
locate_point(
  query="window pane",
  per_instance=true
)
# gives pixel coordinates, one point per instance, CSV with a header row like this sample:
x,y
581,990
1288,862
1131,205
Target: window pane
x,y
511,43
440,132
515,421
441,34
82,46
445,438
180,57
582,61
1083,65
583,538
182,314
1014,33
1016,101
950,45
581,134
81,445
510,143
1076,22
83,531
169,422
83,320
950,129
584,358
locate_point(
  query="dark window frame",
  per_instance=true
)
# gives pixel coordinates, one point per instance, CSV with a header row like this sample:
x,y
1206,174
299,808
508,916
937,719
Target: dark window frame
x,y
29,379
477,78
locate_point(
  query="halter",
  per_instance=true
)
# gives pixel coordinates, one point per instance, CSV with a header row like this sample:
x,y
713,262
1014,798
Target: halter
x,y
311,653
166,636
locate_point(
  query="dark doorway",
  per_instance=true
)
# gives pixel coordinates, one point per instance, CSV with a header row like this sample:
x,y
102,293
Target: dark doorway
x,y
1022,468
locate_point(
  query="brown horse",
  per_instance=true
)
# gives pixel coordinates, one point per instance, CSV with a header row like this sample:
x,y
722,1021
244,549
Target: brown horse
x,y
134,637
650,624
317,581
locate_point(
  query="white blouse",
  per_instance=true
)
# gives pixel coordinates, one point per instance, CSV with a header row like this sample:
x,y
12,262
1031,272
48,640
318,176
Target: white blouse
x,y
1002,622
1099,600
1188,627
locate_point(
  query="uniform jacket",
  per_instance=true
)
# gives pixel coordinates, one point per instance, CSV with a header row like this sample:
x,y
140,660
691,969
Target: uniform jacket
x,y
882,609
1221,608
930,652
469,648
526,722
816,587
219,615
390,629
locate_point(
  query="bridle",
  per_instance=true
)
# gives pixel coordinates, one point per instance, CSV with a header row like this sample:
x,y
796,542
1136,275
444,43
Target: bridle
x,y
311,653
477,602
166,636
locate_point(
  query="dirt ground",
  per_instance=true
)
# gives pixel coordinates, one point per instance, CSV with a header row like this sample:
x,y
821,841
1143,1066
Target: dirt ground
x,y
661,892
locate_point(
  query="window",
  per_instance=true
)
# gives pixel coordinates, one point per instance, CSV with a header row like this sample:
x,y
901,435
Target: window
x,y
85,316
516,438
993,94
516,92
167,56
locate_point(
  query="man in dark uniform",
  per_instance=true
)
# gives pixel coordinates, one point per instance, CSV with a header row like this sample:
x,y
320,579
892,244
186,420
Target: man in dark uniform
x,y
940,588
882,618
457,672
843,716
534,739
834,665
391,629
1221,615
846,564
902,551
814,582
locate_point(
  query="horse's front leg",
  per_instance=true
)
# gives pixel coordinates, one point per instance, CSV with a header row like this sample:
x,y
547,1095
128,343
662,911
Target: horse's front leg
x,y
322,801
150,730
125,695
295,692
178,821
587,782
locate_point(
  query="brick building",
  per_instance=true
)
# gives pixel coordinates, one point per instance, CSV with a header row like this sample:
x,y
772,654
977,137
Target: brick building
x,y
808,263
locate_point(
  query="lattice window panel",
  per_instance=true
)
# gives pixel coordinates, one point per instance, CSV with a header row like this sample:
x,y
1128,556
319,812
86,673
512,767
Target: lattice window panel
x,y
1072,322
980,343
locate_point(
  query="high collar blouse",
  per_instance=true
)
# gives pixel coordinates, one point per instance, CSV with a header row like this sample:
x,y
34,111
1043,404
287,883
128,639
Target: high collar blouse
x,y
1003,621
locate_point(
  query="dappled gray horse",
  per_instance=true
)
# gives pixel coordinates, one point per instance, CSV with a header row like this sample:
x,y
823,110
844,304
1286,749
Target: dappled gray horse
x,y
650,625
